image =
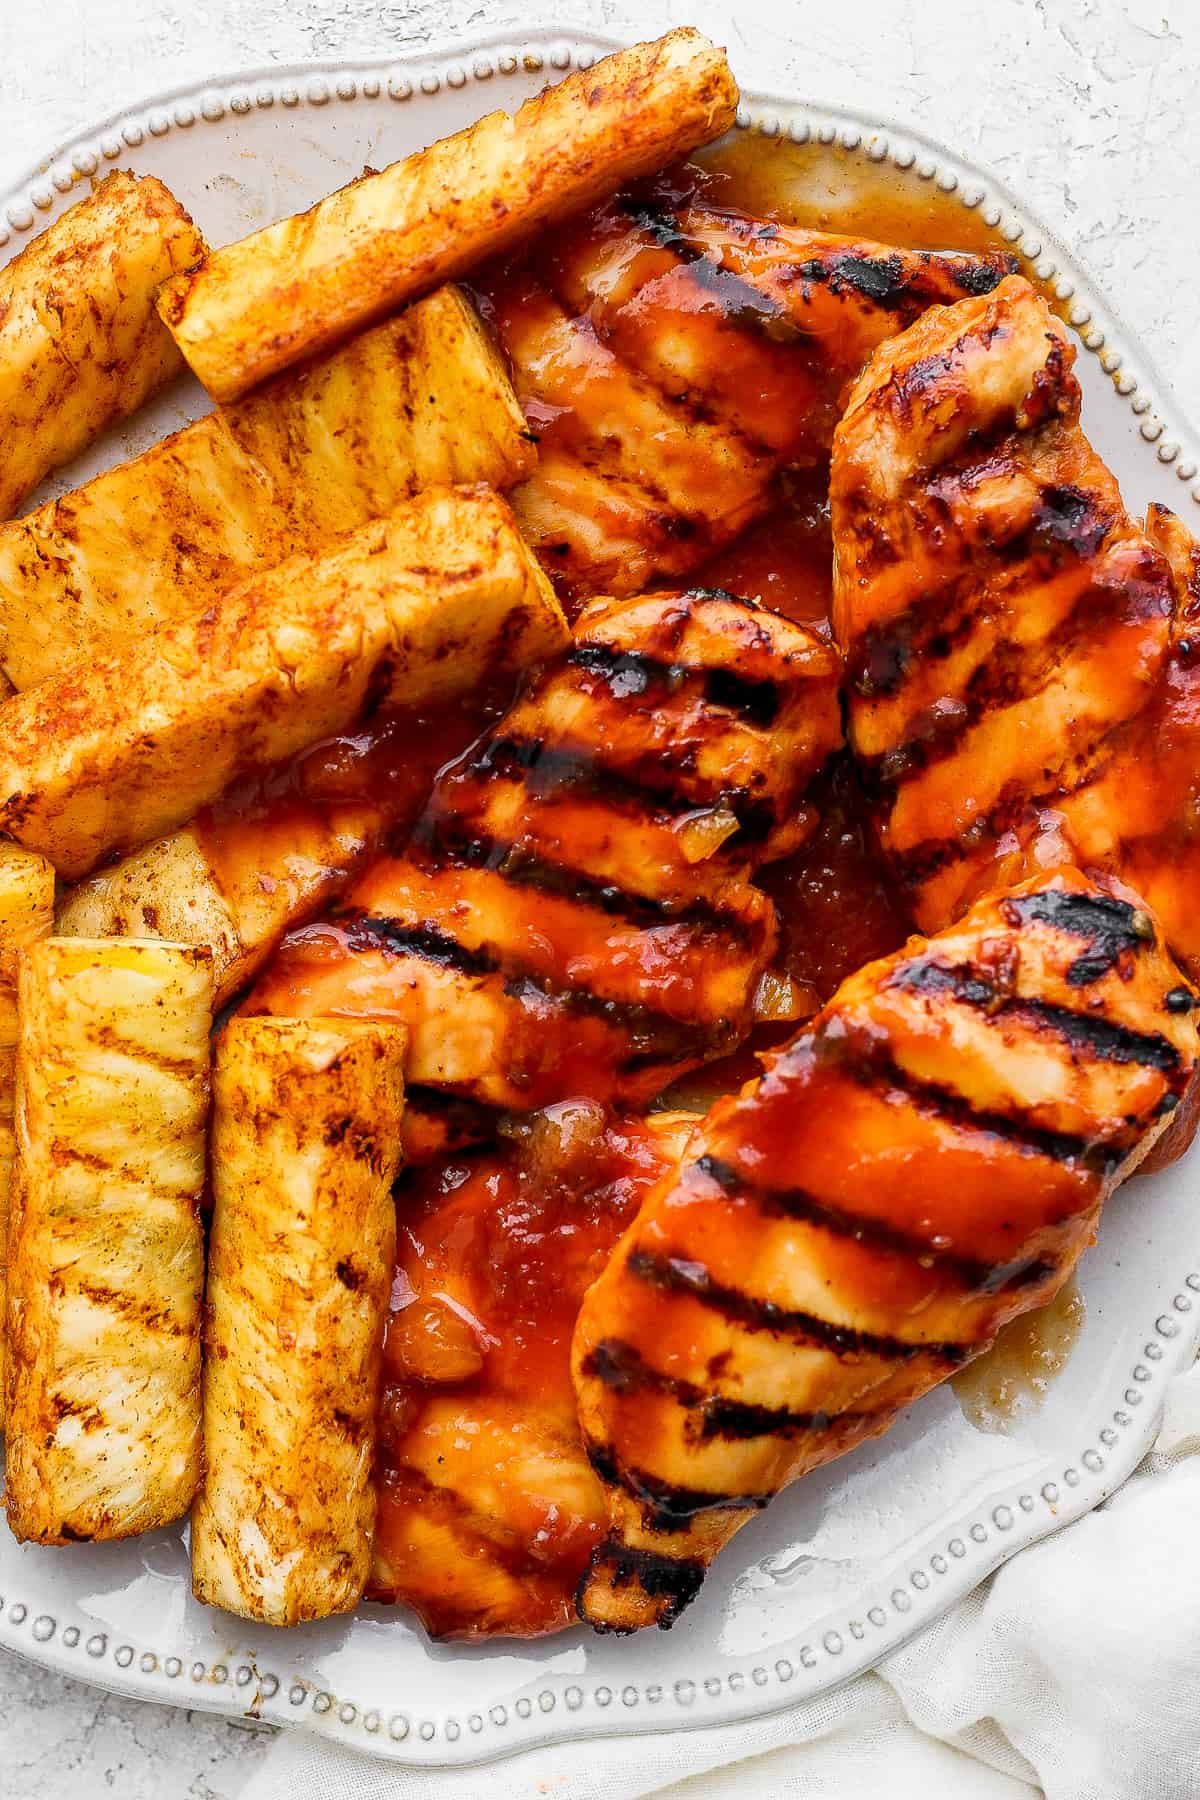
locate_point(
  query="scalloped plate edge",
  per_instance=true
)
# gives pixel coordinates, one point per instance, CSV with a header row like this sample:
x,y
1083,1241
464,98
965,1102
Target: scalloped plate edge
x,y
908,1598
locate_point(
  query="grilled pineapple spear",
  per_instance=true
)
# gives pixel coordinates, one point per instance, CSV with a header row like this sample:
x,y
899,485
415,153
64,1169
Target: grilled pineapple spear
x,y
81,344
106,1263
923,1162
295,287
416,607
422,400
26,914
305,1147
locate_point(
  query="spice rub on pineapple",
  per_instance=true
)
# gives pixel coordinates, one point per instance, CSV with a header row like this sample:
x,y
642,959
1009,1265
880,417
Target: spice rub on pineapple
x,y
574,913
672,357
420,401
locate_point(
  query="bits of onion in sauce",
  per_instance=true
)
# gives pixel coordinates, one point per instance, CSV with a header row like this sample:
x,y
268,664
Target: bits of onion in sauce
x,y
339,800
488,1508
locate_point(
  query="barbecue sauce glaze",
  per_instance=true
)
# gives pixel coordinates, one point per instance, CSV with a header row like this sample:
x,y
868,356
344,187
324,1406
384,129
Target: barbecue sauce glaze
x,y
497,1244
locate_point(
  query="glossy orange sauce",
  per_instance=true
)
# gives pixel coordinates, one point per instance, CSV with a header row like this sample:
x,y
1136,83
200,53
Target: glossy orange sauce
x,y
836,905
785,561
837,908
495,1252
824,188
336,802
488,1508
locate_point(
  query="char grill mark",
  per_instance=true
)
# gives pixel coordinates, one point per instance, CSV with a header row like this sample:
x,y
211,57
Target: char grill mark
x,y
886,281
1063,526
649,1033
465,1121
681,1275
1112,929
889,281
863,1061
880,658
629,674
742,1420
1008,675
676,1580
652,1036
979,277
880,279
920,862
1069,516
448,844
622,1368
969,1272
547,770
742,304
1098,1037
666,1507
394,937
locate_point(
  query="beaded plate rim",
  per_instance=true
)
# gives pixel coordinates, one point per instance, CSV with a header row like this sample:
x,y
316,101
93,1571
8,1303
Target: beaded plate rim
x,y
554,1707
322,82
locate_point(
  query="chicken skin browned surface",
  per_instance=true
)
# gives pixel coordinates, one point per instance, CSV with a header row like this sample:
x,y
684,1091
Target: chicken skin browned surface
x,y
673,357
488,1506
924,1161
1012,653
574,913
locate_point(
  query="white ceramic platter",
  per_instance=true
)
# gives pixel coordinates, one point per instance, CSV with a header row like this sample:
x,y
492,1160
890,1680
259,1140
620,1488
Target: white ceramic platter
x,y
858,1556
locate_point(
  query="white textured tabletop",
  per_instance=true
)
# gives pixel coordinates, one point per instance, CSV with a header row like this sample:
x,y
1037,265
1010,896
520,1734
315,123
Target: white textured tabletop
x,y
1084,106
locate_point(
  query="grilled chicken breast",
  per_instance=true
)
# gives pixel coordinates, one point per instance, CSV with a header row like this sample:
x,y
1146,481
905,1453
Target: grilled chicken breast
x,y
81,344
1123,818
26,914
305,1147
1007,626
924,1161
295,287
488,1507
106,1252
672,358
1148,826
419,401
573,915
417,607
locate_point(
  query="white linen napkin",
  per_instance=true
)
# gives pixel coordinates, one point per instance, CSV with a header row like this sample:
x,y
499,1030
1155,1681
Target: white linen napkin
x,y
1073,1673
